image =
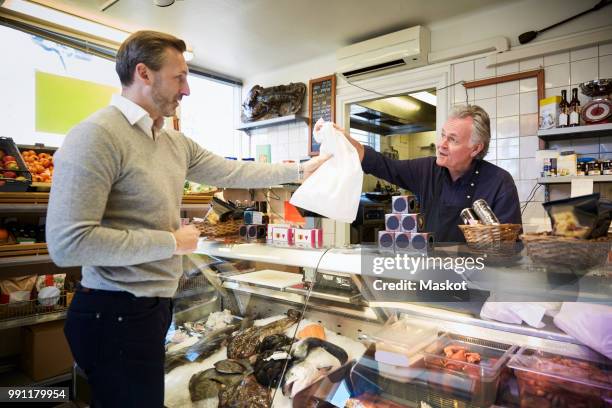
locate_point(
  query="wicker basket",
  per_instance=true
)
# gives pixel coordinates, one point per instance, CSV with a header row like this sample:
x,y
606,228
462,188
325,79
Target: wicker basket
x,y
574,253
492,239
222,229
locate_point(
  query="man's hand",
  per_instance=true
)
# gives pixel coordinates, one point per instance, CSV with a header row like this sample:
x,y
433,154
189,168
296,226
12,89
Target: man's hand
x,y
313,164
186,239
356,144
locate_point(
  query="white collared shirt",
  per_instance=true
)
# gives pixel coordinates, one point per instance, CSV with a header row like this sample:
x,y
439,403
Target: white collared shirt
x,y
134,113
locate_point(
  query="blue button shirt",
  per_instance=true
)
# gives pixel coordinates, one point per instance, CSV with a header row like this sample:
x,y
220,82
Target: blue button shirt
x,y
494,184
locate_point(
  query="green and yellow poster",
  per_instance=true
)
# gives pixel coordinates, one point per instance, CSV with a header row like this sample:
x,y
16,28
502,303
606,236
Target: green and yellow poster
x,y
62,102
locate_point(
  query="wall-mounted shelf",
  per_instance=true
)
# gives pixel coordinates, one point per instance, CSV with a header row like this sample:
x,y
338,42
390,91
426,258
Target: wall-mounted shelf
x,y
248,127
568,179
576,132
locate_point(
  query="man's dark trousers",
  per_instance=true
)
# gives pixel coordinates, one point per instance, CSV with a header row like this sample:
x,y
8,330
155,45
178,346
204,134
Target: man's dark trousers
x,y
118,341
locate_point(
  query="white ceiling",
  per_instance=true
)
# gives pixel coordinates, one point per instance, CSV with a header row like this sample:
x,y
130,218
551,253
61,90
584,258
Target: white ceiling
x,y
242,38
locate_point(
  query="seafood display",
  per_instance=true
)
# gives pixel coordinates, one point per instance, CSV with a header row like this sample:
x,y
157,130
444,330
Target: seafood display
x,y
231,367
273,358
241,366
202,348
302,349
230,384
312,330
244,343
246,394
318,357
219,320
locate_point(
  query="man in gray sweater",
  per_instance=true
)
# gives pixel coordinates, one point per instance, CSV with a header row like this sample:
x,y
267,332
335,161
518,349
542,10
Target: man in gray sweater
x,y
114,210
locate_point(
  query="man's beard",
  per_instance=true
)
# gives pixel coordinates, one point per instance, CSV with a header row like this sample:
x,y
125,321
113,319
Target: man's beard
x,y
164,105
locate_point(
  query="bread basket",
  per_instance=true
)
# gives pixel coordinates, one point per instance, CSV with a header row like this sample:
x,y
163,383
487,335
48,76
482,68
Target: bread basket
x,y
574,253
492,239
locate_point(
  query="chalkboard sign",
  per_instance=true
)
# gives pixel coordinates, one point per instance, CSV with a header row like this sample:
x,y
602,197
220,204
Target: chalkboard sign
x,y
321,104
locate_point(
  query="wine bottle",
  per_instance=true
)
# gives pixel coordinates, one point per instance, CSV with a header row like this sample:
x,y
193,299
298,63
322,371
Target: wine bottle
x,y
574,109
563,110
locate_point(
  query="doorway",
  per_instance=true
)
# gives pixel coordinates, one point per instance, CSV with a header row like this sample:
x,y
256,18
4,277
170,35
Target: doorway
x,y
400,127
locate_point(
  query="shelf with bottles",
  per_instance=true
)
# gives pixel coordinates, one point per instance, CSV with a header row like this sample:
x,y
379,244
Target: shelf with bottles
x,y
568,179
575,132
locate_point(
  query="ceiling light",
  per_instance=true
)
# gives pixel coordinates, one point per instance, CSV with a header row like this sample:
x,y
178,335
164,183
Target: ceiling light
x,y
163,3
188,55
424,96
403,103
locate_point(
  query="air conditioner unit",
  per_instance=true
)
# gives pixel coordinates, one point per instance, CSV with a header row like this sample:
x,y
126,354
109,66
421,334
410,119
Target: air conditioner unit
x,y
403,49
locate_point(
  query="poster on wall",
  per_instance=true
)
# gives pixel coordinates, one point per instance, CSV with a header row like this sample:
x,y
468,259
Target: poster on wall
x,y
321,104
263,153
62,102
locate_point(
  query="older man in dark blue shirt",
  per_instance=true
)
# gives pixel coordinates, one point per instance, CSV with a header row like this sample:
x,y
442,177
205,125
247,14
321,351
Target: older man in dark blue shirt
x,y
455,178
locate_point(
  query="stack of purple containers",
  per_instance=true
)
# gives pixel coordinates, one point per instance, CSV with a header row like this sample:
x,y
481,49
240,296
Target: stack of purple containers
x,y
404,228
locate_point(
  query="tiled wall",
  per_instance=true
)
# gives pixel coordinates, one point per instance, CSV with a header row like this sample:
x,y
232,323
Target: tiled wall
x,y
512,107
287,141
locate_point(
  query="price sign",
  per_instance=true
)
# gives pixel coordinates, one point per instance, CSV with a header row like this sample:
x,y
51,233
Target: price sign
x,y
321,104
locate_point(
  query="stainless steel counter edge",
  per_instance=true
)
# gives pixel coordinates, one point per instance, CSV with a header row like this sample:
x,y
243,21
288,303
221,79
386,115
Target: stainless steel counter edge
x,y
335,259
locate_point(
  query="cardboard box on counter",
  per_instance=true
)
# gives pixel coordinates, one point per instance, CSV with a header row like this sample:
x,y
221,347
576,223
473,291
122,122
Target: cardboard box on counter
x,y
45,351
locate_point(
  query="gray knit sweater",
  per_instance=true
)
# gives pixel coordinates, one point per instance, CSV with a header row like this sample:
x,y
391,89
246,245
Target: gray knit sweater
x,y
116,198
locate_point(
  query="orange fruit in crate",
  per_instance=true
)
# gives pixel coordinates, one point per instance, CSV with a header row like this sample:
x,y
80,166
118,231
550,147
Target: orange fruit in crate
x,y
4,235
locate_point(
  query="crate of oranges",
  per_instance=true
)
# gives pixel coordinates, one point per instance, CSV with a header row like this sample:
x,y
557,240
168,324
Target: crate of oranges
x,y
39,161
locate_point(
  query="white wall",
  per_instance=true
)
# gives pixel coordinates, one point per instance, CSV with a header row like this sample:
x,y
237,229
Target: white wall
x,y
512,19
509,20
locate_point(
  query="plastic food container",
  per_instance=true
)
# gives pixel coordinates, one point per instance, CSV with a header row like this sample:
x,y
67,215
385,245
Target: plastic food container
x,y
428,378
392,365
401,344
549,380
404,385
475,383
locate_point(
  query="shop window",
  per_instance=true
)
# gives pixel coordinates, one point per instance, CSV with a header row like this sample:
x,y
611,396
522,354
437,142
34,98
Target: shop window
x,y
366,138
48,87
210,113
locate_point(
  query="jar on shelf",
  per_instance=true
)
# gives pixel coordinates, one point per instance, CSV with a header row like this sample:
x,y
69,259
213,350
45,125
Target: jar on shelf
x,y
594,168
606,167
581,167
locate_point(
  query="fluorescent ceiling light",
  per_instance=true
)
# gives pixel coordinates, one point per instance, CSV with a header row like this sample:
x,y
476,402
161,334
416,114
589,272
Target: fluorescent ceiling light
x,y
404,103
66,20
188,55
424,97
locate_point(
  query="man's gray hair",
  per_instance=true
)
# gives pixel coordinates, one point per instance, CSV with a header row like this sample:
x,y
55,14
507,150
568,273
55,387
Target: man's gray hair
x,y
481,129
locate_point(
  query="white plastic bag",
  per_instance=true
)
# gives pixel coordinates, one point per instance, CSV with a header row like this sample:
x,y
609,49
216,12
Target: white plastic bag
x,y
334,189
589,323
519,312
